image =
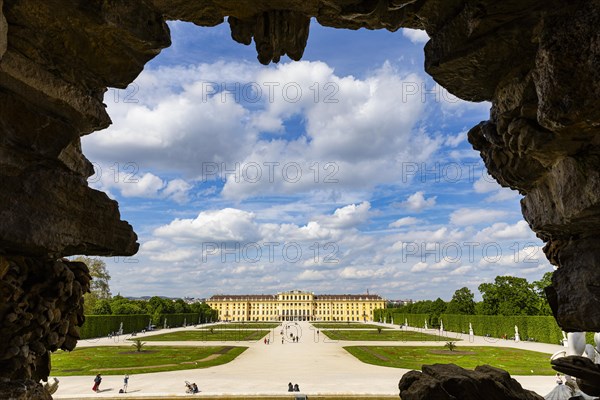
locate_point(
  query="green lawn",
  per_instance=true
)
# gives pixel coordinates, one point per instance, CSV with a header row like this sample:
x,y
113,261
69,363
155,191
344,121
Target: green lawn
x,y
243,325
126,360
385,335
344,325
516,362
205,335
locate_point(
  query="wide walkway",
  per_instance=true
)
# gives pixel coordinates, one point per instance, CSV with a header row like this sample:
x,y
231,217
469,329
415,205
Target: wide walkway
x,y
317,364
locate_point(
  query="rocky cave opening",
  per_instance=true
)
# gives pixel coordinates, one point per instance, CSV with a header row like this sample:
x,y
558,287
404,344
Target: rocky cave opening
x,y
537,62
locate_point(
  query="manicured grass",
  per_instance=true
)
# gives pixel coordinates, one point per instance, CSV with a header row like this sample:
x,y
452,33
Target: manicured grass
x,y
125,360
205,335
515,361
385,335
243,325
344,325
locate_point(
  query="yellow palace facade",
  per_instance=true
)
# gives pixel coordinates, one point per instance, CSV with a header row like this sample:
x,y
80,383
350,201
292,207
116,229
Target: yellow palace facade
x,y
296,305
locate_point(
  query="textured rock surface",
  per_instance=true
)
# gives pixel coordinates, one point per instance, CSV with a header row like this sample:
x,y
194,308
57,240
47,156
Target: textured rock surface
x,y
276,33
451,382
3,31
41,308
543,140
23,389
60,58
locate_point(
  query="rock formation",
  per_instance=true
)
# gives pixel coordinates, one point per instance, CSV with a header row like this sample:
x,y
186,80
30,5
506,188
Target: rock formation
x,y
41,307
451,382
537,61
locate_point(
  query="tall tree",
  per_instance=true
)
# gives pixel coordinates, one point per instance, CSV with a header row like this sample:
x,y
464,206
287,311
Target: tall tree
x,y
462,302
508,295
99,286
539,286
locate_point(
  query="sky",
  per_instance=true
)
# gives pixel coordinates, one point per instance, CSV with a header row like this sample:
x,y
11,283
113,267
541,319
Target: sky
x,y
346,172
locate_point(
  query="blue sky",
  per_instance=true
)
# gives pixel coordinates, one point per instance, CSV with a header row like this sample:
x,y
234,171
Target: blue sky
x,y
346,171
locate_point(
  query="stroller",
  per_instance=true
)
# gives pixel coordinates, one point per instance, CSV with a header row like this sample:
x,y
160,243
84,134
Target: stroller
x,y
191,387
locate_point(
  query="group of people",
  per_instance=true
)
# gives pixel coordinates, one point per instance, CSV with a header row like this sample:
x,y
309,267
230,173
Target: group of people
x,y
267,341
293,388
98,380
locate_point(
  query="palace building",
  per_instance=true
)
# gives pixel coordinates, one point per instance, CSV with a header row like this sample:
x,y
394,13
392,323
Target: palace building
x,y
296,305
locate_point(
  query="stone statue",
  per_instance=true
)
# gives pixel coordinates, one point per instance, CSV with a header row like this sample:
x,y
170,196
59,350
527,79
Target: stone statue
x,y
405,322
590,352
426,327
517,337
471,333
597,341
51,388
576,343
165,324
565,341
441,326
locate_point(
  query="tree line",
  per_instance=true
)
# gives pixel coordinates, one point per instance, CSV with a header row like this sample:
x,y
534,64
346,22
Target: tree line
x,y
99,300
506,296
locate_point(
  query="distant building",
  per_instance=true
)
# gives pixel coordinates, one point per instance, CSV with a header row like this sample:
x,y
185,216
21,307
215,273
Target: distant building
x,y
296,305
399,303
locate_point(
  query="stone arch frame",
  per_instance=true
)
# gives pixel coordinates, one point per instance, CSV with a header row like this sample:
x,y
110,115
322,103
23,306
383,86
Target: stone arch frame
x,y
537,61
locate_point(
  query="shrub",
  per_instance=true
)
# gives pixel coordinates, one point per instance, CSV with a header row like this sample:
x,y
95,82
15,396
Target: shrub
x,y
450,346
138,345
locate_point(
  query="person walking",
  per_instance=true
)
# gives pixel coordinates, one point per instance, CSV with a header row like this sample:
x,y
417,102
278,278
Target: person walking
x,y
125,383
97,381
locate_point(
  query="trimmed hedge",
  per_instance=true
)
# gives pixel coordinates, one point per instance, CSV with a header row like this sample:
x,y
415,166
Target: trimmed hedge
x,y
102,325
539,328
414,320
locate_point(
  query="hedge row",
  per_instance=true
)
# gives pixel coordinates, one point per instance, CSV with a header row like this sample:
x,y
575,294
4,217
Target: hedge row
x,y
539,328
414,320
103,325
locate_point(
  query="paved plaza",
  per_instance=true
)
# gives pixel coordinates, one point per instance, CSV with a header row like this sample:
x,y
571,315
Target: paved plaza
x,y
317,364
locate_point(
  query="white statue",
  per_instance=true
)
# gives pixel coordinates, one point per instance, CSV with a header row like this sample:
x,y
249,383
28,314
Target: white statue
x,y
426,324
405,322
517,337
120,329
565,341
471,333
590,352
165,324
184,322
441,326
597,341
576,343
392,321
385,320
